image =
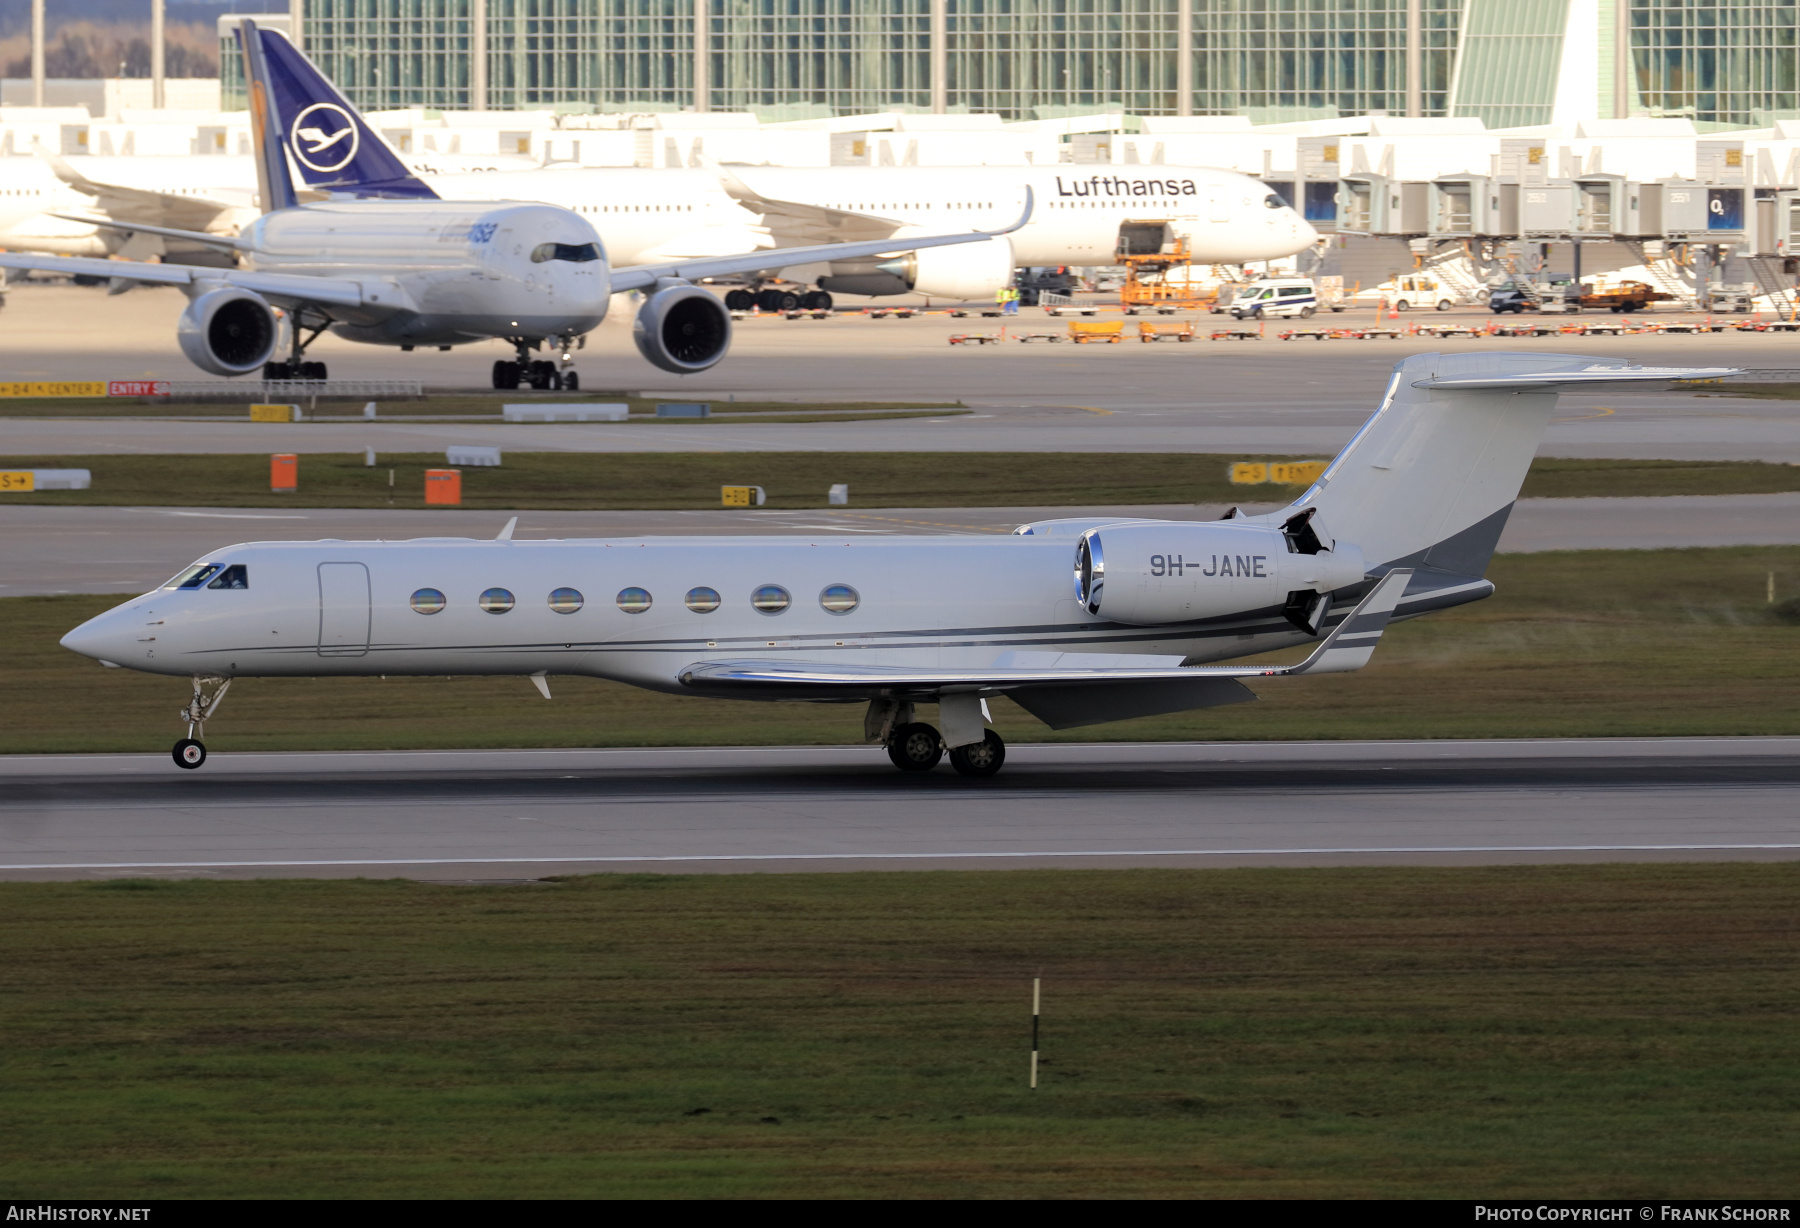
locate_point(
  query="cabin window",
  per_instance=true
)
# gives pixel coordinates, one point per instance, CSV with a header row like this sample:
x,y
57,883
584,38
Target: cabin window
x,y
840,598
771,599
703,600
634,600
427,601
194,576
496,600
565,600
578,253
234,576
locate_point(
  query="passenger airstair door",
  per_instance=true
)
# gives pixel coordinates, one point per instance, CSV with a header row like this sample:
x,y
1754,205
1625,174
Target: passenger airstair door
x,y
343,609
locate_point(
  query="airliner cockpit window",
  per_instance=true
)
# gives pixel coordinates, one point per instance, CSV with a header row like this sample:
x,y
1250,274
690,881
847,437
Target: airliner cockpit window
x,y
234,576
579,253
1272,201
194,576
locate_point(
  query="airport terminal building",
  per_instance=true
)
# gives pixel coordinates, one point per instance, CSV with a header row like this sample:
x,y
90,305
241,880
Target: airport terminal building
x,y
1506,62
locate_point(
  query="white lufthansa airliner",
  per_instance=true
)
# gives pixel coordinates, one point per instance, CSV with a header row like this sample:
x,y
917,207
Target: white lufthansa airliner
x,y
1079,621
409,269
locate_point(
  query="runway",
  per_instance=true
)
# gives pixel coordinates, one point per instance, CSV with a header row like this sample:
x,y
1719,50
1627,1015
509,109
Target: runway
x,y
523,814
45,549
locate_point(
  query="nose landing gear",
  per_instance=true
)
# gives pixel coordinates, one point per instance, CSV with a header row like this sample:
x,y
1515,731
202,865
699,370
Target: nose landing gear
x,y
190,752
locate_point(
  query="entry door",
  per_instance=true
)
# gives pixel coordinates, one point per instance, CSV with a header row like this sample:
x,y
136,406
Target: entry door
x,y
343,609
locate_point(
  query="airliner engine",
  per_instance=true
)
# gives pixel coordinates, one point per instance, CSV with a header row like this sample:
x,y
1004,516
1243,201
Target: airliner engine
x,y
964,273
228,332
1148,574
682,329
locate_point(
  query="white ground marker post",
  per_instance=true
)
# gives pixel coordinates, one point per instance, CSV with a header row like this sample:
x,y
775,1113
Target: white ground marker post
x,y
1036,1001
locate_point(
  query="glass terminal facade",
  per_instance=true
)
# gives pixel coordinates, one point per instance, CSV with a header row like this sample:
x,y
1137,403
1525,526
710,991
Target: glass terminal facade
x,y
1735,62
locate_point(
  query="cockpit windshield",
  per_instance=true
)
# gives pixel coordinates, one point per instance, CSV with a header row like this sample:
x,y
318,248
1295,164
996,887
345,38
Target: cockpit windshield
x,y
579,253
212,575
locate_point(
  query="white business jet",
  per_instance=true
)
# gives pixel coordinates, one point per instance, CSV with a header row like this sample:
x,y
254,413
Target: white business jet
x,y
1079,621
411,272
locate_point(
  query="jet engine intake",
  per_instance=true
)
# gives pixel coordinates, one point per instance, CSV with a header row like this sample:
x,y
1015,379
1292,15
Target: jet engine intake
x,y
1149,574
228,332
682,329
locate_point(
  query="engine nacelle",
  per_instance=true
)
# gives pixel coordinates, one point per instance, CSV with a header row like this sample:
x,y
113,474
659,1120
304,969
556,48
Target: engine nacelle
x,y
962,272
228,332
682,329
1148,574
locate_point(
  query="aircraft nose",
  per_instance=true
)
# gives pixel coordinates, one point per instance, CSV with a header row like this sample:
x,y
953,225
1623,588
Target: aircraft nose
x,y
103,637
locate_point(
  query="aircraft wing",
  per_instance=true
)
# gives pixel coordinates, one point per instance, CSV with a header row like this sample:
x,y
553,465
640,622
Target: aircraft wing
x,y
122,203
1348,647
794,222
285,289
643,276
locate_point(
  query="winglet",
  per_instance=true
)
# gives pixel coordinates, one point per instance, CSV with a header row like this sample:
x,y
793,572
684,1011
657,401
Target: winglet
x,y
505,535
1025,216
1352,642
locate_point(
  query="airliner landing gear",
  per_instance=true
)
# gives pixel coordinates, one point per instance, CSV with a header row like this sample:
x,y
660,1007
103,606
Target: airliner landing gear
x,y
982,758
295,367
540,373
915,747
190,752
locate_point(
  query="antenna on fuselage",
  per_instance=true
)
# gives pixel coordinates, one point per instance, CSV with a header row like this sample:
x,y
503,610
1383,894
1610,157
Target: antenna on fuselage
x,y
274,184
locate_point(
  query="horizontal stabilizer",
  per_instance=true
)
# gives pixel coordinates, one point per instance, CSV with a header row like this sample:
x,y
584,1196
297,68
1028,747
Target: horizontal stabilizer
x,y
1592,373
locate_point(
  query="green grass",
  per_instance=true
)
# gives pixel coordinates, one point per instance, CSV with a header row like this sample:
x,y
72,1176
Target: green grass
x,y
1577,1032
588,480
1590,643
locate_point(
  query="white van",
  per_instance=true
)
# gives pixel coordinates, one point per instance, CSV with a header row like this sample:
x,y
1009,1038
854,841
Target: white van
x,y
1275,298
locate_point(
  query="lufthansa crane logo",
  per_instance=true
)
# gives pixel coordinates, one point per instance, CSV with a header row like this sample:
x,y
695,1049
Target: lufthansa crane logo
x,y
325,137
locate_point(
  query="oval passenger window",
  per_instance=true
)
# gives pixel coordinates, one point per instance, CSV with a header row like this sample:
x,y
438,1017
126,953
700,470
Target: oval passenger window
x,y
496,601
771,599
565,600
840,598
703,600
633,600
427,601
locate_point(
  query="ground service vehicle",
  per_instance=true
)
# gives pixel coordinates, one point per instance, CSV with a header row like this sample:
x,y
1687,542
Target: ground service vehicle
x,y
1276,298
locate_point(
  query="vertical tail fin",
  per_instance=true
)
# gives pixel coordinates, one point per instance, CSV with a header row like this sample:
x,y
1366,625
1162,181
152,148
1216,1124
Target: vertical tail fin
x,y
1431,478
333,148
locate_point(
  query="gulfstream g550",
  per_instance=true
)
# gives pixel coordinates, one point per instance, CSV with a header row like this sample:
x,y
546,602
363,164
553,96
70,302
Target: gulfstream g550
x,y
1079,621
383,261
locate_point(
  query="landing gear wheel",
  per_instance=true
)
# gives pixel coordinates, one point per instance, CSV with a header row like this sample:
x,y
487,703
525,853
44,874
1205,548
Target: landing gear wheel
x,y
189,753
790,301
915,748
506,374
769,300
981,758
571,381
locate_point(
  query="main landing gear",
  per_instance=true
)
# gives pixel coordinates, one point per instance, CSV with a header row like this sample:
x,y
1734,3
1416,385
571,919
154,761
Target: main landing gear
x,y
209,689
776,300
913,746
294,368
542,374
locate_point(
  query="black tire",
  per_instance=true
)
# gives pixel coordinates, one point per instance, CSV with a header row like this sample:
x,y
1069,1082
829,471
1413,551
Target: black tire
x,y
188,753
769,300
739,300
979,759
1306,313
571,381
1444,304
1402,305
915,748
555,380
790,301
506,374
823,301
